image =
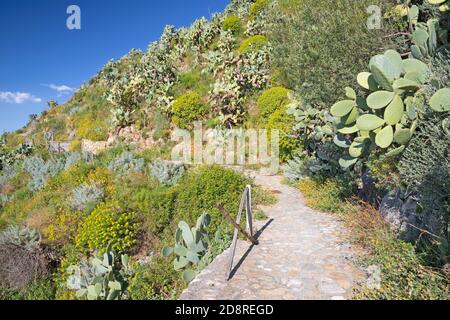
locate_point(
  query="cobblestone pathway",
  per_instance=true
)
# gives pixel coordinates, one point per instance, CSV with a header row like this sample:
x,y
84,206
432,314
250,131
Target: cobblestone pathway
x,y
302,255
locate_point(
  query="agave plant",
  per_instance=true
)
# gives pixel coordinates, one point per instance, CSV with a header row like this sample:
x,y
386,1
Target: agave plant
x,y
191,247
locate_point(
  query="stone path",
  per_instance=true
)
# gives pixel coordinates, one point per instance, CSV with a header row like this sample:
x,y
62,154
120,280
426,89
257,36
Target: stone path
x,y
302,255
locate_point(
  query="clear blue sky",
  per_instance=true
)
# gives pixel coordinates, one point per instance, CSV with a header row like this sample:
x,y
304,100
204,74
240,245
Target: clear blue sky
x,y
40,59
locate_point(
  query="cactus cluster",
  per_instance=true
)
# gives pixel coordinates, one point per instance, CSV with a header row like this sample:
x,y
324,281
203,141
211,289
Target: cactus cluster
x,y
191,246
426,37
100,278
387,118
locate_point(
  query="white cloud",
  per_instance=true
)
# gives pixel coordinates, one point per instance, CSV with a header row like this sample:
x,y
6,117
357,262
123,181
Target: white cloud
x,y
61,89
18,97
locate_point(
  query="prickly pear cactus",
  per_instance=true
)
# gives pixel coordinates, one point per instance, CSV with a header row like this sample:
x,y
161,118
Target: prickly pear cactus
x,y
387,118
191,246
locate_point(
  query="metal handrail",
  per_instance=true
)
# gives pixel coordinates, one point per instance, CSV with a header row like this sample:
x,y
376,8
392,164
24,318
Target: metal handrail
x,y
246,200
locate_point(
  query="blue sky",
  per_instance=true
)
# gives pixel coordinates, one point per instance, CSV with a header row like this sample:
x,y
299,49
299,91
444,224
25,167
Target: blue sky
x,y
40,59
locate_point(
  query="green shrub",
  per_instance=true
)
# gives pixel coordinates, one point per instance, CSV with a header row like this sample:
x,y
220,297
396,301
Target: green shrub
x,y
39,290
157,207
424,170
272,100
258,7
161,126
187,109
320,46
232,24
403,277
289,144
326,196
108,224
203,188
156,281
253,43
193,80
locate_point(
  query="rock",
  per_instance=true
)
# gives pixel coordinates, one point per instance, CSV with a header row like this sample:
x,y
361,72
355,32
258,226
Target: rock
x,y
390,210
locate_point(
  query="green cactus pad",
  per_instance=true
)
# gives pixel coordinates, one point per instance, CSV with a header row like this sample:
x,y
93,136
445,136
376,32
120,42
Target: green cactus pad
x,y
342,108
406,84
380,99
351,117
347,162
350,93
189,275
414,65
367,81
349,130
396,59
395,152
420,37
385,137
402,136
394,112
440,102
356,149
340,142
369,122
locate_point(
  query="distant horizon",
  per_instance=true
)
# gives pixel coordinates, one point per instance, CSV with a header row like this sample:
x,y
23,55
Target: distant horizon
x,y
44,60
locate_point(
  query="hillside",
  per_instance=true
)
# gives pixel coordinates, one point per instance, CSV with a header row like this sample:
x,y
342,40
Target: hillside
x,y
363,122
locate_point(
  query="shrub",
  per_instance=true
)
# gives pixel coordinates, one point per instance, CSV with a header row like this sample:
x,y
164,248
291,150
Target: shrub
x,y
327,196
272,100
203,188
155,281
232,24
258,7
157,205
253,43
403,275
20,266
95,129
161,126
167,173
320,48
126,163
193,80
85,195
289,144
39,290
25,237
424,171
108,224
187,109
64,227
75,146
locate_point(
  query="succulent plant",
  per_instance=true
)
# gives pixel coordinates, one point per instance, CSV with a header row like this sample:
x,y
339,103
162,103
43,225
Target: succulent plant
x,y
100,278
190,247
386,118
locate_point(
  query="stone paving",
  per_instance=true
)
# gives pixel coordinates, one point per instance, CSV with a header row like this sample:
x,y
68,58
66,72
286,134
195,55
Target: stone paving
x,y
302,255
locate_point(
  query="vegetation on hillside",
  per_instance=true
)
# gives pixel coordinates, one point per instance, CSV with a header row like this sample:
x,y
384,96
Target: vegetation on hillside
x,y
361,112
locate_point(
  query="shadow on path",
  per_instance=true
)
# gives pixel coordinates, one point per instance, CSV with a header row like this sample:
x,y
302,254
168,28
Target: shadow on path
x,y
257,235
